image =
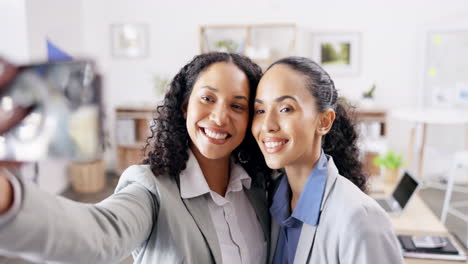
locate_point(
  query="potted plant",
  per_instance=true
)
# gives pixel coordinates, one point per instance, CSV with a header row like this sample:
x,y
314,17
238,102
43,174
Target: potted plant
x,y
389,164
226,45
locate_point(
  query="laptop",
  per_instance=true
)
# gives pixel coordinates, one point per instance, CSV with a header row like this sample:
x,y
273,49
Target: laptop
x,y
401,195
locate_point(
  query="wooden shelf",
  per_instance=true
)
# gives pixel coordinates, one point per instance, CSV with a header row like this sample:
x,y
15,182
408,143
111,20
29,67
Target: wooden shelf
x,y
132,130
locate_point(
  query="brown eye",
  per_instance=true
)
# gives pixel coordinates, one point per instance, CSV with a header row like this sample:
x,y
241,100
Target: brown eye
x,y
285,110
207,99
238,107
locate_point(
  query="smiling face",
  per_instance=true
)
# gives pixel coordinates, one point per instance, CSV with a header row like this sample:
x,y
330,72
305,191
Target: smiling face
x,y
286,125
217,112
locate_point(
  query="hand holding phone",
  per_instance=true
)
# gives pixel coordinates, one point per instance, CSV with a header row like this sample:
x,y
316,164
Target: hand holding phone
x,y
10,115
50,110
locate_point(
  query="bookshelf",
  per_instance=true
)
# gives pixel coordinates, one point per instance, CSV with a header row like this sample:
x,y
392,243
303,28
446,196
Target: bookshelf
x,y
372,128
132,128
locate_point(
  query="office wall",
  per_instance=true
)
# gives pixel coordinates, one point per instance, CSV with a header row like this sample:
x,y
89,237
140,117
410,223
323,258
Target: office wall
x,y
13,30
58,21
390,31
391,51
391,40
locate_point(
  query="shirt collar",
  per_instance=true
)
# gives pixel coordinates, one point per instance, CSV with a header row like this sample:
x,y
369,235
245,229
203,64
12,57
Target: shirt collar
x,y
193,182
308,206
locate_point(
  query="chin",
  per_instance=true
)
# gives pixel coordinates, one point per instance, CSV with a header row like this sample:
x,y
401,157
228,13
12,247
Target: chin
x,y
274,164
214,154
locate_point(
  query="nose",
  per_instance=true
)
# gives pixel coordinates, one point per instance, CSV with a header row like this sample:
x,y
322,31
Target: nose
x,y
270,122
219,115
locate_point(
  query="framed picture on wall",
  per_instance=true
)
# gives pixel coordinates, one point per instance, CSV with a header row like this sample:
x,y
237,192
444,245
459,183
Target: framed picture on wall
x,y
129,40
338,53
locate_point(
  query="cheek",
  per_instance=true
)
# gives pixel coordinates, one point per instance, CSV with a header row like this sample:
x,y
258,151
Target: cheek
x,y
255,127
242,123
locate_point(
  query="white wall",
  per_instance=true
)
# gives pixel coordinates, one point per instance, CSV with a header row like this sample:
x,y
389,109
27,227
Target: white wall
x,y
391,33
389,36
58,21
391,39
13,31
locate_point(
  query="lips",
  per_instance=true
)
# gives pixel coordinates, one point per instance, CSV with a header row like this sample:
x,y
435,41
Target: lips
x,y
273,145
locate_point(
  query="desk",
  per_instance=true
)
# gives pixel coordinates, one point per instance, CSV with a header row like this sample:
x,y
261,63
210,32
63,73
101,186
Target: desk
x,y
418,219
423,117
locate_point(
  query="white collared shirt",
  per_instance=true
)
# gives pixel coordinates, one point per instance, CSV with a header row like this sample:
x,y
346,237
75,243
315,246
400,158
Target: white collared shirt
x,y
239,232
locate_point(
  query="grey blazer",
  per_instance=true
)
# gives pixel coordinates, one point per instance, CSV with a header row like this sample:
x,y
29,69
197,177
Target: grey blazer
x,y
352,229
146,215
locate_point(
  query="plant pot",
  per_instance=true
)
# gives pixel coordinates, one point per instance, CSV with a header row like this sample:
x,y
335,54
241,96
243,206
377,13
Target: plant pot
x,y
391,175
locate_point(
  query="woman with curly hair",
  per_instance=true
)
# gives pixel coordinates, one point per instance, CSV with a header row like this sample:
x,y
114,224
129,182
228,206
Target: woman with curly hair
x,y
320,213
199,197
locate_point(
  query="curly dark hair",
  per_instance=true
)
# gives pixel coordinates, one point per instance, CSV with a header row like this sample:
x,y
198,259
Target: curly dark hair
x,y
341,140
167,147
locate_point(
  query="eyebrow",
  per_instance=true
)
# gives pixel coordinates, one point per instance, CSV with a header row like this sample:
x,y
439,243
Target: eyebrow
x,y
216,90
279,99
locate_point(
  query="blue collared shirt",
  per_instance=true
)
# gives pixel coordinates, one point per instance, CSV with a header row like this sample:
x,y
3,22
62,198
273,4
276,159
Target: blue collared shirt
x,y
307,210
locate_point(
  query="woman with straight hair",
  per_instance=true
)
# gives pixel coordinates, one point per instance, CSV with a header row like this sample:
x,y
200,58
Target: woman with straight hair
x,y
320,213
199,197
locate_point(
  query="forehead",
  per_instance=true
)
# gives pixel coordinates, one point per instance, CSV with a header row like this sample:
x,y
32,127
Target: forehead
x,y
225,77
281,80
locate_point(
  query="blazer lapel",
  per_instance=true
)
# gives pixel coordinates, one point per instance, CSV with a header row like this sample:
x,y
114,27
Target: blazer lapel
x,y
308,232
199,210
304,246
275,227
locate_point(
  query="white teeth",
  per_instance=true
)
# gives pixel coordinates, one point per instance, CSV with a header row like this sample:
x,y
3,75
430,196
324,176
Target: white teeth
x,y
215,135
273,144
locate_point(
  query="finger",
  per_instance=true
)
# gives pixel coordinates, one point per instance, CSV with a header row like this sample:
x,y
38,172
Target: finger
x,y
7,72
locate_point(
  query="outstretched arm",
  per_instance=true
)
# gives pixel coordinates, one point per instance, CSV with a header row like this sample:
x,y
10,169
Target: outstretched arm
x,y
48,228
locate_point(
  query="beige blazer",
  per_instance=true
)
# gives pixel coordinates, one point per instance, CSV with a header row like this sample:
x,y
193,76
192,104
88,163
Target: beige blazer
x,y
146,215
352,229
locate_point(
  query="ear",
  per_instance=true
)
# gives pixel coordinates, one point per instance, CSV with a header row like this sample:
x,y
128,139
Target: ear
x,y
326,119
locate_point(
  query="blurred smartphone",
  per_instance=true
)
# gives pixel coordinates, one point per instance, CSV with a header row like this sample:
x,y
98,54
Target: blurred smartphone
x,y
65,120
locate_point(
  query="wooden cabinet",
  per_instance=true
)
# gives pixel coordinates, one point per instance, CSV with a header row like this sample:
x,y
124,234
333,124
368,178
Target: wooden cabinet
x,y
132,128
263,43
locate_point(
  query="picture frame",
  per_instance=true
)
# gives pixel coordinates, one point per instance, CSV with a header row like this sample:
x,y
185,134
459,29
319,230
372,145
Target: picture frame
x,y
129,40
338,53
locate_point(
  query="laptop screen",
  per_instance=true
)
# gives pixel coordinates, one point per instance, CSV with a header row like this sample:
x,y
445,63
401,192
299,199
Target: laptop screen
x,y
405,189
